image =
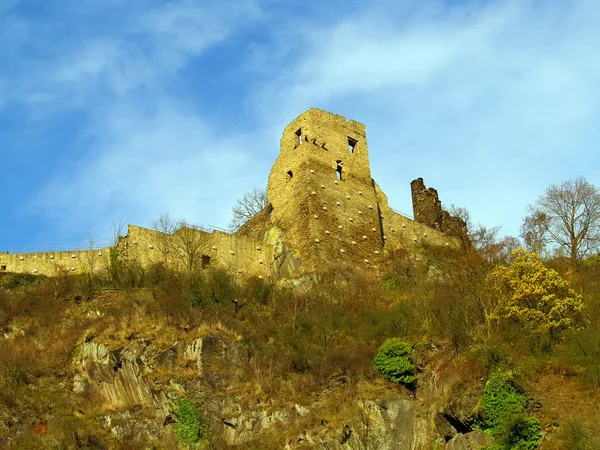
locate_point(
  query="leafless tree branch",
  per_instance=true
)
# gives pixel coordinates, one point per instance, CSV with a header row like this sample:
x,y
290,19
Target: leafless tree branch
x,y
566,217
247,207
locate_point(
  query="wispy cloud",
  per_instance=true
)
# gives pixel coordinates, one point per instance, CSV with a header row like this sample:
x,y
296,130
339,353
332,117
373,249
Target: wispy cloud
x,y
145,164
124,49
140,150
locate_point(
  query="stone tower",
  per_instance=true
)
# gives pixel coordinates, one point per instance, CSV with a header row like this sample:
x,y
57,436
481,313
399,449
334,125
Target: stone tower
x,y
322,193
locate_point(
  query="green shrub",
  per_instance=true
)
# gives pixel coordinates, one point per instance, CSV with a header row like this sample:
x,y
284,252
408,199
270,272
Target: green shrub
x,y
504,403
189,428
518,432
393,361
501,397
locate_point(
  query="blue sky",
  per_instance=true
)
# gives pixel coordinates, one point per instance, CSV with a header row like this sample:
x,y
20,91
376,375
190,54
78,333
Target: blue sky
x,y
129,109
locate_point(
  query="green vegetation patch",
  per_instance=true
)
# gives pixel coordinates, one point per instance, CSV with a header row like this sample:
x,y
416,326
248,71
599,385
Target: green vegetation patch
x,y
190,429
504,403
393,361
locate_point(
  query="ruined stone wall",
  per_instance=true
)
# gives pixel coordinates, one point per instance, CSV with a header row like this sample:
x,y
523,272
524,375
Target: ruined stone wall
x,y
328,220
324,210
240,255
56,263
401,232
427,209
256,226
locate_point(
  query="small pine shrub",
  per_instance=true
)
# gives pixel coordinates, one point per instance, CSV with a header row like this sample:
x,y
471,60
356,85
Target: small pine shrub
x,y
189,428
504,403
501,397
393,361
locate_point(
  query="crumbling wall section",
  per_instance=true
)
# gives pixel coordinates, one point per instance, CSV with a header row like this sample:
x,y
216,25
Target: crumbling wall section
x,y
257,226
401,232
427,209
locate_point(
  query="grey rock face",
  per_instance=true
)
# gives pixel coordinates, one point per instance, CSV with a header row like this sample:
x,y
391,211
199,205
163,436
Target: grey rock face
x,y
474,440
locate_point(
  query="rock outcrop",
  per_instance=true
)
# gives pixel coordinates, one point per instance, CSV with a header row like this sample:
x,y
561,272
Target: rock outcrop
x,y
132,384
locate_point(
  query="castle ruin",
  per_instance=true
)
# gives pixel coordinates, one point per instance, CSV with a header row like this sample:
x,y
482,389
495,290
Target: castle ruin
x,y
324,209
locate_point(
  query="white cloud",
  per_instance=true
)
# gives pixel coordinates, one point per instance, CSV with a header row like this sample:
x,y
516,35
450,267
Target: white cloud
x,y
143,152
104,62
188,28
132,49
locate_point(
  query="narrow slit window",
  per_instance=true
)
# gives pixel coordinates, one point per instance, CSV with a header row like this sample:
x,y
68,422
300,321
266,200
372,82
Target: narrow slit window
x,y
299,134
205,261
352,144
338,172
290,174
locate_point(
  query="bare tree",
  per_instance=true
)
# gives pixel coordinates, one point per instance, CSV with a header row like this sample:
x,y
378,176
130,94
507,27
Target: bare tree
x,y
166,224
116,231
567,217
89,263
190,242
186,242
247,207
486,241
534,234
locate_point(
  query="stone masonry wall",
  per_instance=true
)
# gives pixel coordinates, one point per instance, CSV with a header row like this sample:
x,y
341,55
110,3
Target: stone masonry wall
x,y
328,218
240,255
56,263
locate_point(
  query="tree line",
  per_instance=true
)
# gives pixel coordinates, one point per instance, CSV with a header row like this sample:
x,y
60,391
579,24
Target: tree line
x,y
564,221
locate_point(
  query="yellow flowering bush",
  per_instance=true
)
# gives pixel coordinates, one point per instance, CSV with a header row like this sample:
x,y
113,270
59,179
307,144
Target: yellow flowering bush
x,y
535,296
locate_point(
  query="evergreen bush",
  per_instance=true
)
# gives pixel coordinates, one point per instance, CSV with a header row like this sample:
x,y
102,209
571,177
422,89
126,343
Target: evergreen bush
x,y
393,361
504,403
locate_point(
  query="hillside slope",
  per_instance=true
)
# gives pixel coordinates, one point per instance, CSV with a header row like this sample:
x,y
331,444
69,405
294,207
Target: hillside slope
x,y
93,362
